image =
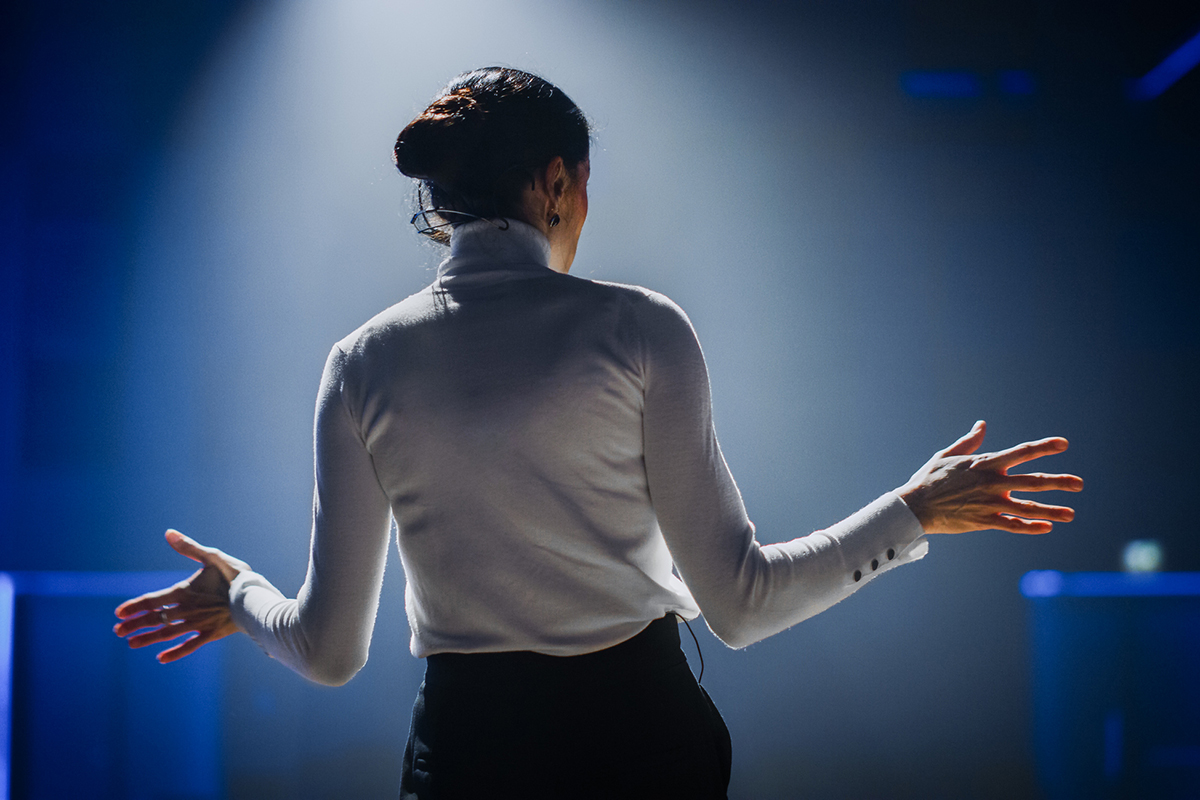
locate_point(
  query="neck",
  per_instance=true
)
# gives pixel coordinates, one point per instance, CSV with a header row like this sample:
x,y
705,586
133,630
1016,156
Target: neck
x,y
562,249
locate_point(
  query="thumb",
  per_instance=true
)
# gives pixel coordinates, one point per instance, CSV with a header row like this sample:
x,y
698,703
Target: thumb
x,y
969,443
185,545
224,563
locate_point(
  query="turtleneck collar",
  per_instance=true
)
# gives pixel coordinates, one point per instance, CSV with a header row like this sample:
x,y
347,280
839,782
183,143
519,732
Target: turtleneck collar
x,y
481,246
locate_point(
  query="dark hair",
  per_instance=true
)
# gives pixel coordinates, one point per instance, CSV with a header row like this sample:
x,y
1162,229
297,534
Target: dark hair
x,y
482,139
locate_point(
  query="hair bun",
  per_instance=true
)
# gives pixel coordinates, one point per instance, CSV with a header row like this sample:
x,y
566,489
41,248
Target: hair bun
x,y
456,105
429,146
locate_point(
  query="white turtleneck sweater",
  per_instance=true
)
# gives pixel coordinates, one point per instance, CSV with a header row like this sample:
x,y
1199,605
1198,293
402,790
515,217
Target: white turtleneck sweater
x,y
545,444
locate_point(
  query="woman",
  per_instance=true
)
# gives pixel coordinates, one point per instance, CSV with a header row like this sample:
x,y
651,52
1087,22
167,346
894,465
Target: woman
x,y
545,444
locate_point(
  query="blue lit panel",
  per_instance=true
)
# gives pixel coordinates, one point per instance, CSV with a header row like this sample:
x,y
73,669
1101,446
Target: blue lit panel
x,y
1049,583
1116,704
85,711
6,631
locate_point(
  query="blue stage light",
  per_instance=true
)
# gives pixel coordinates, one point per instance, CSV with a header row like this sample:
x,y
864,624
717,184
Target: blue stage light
x,y
1164,76
941,83
1041,583
1017,82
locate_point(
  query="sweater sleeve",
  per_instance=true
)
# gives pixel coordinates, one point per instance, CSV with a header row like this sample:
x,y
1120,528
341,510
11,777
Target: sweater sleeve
x,y
746,591
324,633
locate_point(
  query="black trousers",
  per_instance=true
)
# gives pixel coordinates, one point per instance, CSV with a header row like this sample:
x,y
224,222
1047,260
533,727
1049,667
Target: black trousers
x,y
626,722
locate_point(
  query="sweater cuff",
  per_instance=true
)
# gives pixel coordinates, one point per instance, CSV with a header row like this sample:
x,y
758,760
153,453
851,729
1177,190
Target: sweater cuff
x,y
878,538
246,594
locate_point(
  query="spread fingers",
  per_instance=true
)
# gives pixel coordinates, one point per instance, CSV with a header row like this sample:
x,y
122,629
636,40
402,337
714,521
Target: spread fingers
x,y
1004,522
1028,451
1042,482
151,601
1034,511
184,648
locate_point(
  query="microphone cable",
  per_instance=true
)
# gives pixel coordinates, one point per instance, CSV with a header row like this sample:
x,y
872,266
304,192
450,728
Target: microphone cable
x,y
698,653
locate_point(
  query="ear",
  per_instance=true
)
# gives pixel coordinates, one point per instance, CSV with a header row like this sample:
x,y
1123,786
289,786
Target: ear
x,y
556,180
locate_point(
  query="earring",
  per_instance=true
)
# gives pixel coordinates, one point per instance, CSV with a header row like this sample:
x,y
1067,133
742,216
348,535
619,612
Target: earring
x,y
554,220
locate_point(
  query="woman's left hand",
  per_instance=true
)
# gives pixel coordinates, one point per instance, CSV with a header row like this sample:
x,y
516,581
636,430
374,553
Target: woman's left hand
x,y
960,489
198,605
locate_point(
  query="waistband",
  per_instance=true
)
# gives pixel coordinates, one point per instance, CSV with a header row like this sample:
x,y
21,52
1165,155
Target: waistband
x,y
656,646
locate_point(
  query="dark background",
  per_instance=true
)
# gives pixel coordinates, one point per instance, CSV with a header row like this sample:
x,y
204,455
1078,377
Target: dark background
x,y
198,202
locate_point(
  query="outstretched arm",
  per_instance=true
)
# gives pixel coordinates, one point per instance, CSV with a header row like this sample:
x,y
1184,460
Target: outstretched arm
x,y
749,591
325,632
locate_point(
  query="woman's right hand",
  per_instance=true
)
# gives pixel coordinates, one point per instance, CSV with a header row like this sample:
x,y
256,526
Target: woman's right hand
x,y
959,490
198,605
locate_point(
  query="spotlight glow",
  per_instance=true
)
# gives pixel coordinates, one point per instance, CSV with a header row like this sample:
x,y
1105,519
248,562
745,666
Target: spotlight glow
x,y
1142,555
